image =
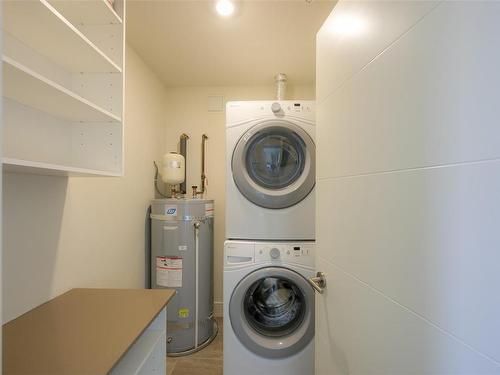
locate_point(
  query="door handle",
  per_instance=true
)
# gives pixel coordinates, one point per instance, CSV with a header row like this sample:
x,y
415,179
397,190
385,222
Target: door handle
x,y
318,282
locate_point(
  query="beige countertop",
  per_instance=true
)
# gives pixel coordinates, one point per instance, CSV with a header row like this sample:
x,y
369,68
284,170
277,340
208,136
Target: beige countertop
x,y
84,331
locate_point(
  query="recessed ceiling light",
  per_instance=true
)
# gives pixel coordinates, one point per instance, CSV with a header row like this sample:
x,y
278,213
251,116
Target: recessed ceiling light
x,y
224,7
346,25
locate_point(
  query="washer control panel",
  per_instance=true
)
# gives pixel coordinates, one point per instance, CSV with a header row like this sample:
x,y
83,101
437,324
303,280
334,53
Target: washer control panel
x,y
284,107
299,252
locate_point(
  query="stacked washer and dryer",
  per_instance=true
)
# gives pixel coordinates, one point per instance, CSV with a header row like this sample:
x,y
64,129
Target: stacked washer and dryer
x,y
270,232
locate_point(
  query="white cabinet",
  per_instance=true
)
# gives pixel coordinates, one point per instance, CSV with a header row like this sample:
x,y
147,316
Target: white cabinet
x,y
63,89
147,355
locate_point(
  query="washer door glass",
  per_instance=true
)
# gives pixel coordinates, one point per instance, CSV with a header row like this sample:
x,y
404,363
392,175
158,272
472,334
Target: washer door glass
x,y
275,159
272,312
273,164
274,306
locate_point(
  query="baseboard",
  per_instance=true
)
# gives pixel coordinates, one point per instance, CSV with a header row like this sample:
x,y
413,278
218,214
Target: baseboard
x,y
218,309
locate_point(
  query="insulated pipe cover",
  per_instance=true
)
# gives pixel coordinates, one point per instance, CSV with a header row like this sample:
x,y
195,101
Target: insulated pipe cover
x,y
183,151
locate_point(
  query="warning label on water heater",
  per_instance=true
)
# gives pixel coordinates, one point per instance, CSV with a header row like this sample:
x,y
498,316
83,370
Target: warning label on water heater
x,y
209,209
169,271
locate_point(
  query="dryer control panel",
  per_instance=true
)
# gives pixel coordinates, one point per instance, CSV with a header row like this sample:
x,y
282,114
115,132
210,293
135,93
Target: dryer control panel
x,y
238,112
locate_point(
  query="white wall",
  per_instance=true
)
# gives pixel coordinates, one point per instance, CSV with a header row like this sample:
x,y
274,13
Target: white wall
x,y
1,178
188,113
408,188
61,233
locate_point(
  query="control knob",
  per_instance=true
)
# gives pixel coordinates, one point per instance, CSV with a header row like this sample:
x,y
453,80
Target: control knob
x,y
276,107
274,253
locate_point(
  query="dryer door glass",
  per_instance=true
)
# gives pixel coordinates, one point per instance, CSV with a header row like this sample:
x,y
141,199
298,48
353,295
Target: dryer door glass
x,y
273,164
275,159
274,306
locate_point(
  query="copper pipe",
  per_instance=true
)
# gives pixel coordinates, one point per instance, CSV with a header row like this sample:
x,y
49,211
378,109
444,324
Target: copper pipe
x,y
204,138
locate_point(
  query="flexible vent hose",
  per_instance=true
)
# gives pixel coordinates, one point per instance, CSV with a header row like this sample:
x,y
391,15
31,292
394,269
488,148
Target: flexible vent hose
x,y
280,86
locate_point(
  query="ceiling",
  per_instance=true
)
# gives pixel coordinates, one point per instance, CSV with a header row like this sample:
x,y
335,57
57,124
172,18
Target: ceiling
x,y
187,44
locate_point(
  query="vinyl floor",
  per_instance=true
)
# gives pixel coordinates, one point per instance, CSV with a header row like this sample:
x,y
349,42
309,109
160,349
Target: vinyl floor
x,y
207,361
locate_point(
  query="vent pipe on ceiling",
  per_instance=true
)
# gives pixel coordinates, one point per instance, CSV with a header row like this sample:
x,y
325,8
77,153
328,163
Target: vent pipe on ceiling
x,y
280,80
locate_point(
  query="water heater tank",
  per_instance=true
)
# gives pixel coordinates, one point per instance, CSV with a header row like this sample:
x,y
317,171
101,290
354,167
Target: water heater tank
x,y
182,259
172,168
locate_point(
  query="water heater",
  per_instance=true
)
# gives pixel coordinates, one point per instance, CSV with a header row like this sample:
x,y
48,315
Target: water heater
x,y
182,233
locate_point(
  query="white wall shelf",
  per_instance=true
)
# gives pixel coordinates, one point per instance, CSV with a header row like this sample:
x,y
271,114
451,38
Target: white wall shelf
x,y
41,27
32,89
62,95
33,167
88,12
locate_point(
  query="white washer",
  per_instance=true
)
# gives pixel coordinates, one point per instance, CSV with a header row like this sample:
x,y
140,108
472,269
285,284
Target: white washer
x,y
268,308
270,163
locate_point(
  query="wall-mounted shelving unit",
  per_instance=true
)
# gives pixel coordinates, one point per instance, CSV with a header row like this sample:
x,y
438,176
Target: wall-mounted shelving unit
x,y
33,167
32,89
63,69
88,12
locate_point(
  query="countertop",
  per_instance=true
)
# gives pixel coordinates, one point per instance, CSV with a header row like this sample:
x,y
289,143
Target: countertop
x,y
83,331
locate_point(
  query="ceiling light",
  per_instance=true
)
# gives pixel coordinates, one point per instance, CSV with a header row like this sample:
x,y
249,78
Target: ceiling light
x,y
224,7
346,25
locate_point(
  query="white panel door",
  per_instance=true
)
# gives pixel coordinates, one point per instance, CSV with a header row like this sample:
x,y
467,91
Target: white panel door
x,y
408,189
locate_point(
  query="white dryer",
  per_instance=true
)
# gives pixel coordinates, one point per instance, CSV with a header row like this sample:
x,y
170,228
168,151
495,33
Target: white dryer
x,y
270,164
268,308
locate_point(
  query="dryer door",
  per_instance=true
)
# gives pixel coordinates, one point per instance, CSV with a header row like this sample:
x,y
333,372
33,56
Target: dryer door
x,y
273,164
272,312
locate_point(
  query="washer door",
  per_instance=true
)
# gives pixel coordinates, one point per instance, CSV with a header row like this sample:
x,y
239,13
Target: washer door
x,y
273,164
272,312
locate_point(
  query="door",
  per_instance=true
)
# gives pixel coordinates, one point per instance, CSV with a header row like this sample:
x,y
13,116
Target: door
x,y
408,203
273,164
272,312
